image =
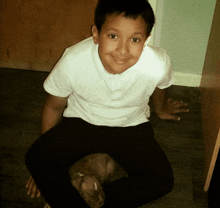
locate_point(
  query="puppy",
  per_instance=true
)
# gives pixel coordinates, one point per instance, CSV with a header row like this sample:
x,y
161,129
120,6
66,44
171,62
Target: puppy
x,y
90,173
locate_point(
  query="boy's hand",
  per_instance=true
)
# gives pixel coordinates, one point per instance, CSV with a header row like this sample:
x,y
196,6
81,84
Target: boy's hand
x,y
32,188
172,107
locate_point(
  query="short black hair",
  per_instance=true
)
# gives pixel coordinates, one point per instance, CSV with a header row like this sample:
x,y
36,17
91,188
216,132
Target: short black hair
x,y
128,8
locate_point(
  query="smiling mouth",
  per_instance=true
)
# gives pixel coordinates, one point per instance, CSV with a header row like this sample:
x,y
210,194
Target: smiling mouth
x,y
120,61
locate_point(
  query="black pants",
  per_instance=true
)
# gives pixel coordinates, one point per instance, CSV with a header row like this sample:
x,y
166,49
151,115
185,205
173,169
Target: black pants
x,y
150,175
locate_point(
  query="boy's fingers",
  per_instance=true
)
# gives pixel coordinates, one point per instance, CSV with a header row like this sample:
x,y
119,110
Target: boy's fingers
x,y
34,189
170,117
174,118
30,187
179,107
183,105
176,102
38,193
181,110
179,104
28,182
184,110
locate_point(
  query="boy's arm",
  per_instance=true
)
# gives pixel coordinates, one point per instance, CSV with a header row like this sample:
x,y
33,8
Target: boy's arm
x,y
51,115
166,109
52,112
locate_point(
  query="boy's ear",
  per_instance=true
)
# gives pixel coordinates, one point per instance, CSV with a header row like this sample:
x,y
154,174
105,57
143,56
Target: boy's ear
x,y
95,34
147,40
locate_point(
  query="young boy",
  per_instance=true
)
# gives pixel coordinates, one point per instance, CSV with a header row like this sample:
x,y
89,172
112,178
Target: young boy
x,y
101,86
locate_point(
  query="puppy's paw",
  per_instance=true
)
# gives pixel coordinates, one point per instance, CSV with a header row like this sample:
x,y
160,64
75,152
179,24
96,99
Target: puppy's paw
x,y
90,190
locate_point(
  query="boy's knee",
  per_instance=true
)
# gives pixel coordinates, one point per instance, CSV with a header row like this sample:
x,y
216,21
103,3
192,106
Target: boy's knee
x,y
162,184
167,184
170,183
167,179
29,157
32,158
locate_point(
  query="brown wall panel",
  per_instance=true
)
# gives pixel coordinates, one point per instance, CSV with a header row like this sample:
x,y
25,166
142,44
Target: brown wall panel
x,y
35,33
210,98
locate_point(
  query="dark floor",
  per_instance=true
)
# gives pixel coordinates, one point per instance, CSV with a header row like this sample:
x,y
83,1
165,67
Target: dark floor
x,y
22,97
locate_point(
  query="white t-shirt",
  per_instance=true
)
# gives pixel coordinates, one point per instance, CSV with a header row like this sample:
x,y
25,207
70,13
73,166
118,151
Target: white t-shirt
x,y
101,98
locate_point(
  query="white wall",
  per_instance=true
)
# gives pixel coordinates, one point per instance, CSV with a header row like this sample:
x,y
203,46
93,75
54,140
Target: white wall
x,y
153,4
182,28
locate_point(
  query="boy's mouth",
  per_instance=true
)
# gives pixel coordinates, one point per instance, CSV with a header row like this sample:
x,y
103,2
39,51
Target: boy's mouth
x,y
120,60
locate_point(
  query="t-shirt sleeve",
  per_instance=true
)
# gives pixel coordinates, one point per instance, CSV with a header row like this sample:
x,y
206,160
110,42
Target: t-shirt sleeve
x,y
58,82
167,78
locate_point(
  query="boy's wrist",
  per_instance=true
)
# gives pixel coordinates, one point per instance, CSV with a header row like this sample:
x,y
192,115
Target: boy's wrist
x,y
160,112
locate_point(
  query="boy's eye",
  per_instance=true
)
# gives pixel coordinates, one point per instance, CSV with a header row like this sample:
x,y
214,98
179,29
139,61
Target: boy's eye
x,y
113,36
136,40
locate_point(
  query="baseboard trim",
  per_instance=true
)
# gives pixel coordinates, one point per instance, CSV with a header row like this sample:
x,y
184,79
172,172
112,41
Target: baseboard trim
x,y
186,79
182,79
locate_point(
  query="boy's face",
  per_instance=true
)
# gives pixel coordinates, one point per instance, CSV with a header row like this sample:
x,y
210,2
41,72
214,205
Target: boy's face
x,y
121,41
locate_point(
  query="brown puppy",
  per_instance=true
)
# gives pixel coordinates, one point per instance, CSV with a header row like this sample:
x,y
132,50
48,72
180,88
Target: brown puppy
x,y
90,173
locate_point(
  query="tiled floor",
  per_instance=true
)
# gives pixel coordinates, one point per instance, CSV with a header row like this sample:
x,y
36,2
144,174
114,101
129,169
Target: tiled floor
x,y
22,97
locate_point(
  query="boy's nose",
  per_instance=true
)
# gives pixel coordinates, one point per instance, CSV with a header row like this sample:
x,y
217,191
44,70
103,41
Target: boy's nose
x,y
123,48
